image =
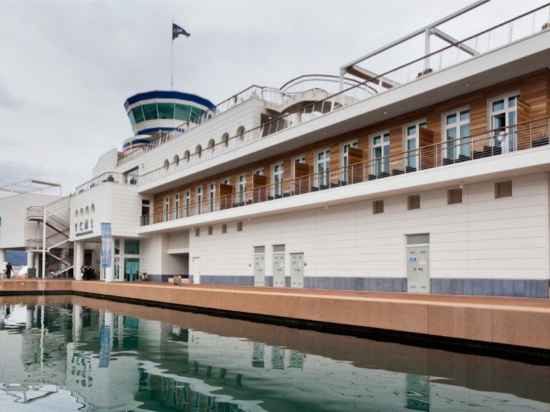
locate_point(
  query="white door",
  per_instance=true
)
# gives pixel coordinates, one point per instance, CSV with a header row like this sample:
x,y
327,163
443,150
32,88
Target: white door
x,y
259,266
279,266
418,269
297,270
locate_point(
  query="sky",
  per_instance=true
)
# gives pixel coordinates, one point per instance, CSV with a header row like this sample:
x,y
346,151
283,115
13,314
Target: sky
x,y
66,66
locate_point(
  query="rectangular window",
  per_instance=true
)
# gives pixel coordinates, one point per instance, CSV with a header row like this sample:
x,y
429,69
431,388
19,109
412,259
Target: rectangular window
x,y
187,203
239,226
457,135
242,190
378,207
323,168
503,189
210,230
224,228
503,118
413,202
166,210
381,154
177,205
345,159
197,231
277,179
454,196
138,114
166,110
412,142
150,111
199,200
131,247
211,197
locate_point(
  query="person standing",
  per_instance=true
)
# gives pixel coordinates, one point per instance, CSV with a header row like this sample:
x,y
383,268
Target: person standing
x,y
9,269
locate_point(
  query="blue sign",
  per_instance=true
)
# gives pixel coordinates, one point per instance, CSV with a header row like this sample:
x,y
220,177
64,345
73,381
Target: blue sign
x,y
106,245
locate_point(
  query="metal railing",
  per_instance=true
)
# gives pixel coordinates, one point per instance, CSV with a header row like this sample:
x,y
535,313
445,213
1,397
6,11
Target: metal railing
x,y
519,27
490,143
106,177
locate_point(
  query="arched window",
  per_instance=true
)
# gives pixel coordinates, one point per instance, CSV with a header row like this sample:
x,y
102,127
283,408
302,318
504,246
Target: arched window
x,y
198,150
187,155
225,139
166,164
93,208
176,160
76,212
240,132
211,144
87,210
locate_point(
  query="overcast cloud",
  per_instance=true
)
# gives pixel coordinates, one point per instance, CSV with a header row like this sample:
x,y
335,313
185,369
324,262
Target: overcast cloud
x,y
66,66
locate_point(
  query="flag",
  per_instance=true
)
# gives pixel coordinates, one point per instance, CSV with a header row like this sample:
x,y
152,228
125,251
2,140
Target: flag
x,y
177,30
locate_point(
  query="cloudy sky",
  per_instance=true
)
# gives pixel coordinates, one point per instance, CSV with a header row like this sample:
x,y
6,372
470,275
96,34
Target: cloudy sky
x,y
66,66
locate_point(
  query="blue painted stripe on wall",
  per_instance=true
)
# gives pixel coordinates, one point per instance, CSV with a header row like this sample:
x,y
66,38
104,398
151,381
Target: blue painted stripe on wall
x,y
151,130
168,94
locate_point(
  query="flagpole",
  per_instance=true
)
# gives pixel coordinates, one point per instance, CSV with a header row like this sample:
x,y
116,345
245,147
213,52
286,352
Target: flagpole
x,y
172,56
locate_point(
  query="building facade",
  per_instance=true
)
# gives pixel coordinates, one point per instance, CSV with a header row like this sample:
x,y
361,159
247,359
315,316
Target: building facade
x,y
437,184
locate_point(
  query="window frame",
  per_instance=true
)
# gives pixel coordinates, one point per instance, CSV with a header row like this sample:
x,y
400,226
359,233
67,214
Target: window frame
x,y
325,174
417,124
385,160
344,158
457,126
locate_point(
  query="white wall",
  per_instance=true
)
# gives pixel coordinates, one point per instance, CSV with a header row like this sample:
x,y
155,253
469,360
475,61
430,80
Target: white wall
x,y
156,260
117,204
481,238
13,212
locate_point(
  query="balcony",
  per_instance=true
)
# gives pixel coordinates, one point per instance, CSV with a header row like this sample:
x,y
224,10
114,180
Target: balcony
x,y
391,84
473,148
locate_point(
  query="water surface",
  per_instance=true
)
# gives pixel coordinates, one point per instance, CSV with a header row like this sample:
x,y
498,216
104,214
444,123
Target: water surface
x,y
79,354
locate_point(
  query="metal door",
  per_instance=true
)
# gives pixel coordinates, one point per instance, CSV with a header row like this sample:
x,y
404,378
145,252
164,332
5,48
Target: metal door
x,y
297,270
418,269
259,266
279,266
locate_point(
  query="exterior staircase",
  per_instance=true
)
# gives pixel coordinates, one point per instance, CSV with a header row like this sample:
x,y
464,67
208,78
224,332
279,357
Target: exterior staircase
x,y
48,231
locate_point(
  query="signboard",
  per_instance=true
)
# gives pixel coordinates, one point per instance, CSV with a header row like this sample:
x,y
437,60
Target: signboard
x,y
106,245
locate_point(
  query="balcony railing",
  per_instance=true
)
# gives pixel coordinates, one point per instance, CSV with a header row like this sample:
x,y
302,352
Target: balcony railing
x,y
491,143
497,36
106,177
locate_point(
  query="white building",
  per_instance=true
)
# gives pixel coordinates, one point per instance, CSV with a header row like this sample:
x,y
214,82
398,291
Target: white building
x,y
432,177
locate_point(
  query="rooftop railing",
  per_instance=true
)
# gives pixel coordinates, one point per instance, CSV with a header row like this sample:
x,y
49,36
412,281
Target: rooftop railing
x,y
106,177
527,135
497,36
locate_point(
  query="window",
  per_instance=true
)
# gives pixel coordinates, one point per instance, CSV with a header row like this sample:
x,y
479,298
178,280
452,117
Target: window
x,y
166,210
176,160
210,230
277,181
198,151
165,110
454,196
323,168
131,246
150,111
137,112
199,199
413,202
225,139
224,228
457,134
345,159
211,197
240,133
412,137
166,164
76,212
381,154
211,145
242,189
187,202
503,189
87,210
503,117
177,205
187,155
239,226
378,207
182,112
197,231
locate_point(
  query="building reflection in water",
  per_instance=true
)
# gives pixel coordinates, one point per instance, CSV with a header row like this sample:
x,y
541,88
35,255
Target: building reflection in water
x,y
124,360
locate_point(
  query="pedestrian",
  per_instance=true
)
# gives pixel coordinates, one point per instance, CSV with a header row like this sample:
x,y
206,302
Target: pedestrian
x,y
9,269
